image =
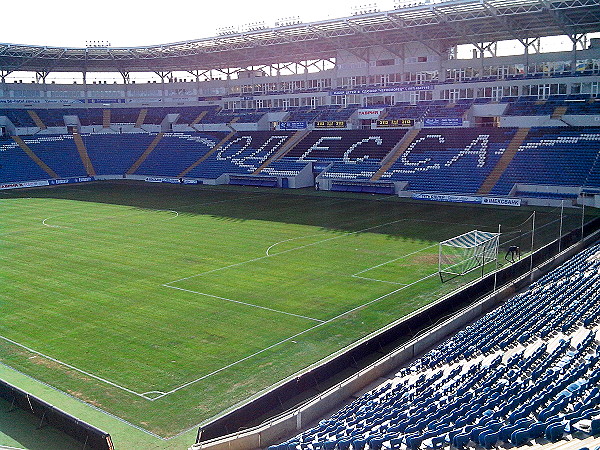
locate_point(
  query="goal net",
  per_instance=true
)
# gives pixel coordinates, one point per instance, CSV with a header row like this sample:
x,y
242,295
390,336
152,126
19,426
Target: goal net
x,y
467,252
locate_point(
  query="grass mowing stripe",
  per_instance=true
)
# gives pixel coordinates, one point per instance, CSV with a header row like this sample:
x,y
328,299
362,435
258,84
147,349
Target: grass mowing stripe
x,y
92,295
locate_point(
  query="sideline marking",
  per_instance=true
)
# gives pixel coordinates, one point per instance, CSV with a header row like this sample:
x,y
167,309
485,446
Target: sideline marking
x,y
96,377
111,217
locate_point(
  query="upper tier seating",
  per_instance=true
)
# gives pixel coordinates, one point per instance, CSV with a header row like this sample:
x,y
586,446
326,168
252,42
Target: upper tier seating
x,y
526,373
228,117
18,117
304,114
583,108
553,156
525,107
188,114
155,116
407,111
124,115
450,159
448,110
87,116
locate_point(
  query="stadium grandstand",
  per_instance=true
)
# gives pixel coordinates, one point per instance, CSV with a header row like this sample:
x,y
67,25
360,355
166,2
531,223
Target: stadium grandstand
x,y
434,107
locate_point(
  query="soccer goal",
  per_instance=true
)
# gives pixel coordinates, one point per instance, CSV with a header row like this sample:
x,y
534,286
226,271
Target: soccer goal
x,y
467,252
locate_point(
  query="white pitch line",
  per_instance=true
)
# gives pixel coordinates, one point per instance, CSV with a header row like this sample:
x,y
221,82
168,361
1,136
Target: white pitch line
x,y
127,214
291,239
375,279
284,251
172,211
395,259
292,337
245,303
96,377
51,226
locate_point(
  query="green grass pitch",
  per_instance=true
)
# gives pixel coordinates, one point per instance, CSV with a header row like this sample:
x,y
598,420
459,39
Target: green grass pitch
x,y
166,305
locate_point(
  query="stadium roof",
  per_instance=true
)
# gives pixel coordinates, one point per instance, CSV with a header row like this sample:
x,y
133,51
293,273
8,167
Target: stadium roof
x,y
439,25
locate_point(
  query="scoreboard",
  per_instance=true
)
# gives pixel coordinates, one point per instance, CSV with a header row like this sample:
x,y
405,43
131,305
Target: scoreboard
x,y
330,124
396,123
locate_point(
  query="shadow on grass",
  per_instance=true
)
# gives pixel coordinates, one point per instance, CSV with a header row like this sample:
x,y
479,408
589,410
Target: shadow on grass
x,y
19,429
330,211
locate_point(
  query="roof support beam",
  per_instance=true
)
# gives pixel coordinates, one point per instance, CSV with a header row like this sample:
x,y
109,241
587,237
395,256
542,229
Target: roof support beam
x,y
4,74
576,39
527,43
41,76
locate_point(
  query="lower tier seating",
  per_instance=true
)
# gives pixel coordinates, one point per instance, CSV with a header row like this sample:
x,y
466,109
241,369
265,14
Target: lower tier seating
x,y
527,372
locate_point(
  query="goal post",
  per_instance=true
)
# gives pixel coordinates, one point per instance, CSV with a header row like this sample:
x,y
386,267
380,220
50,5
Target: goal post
x,y
463,254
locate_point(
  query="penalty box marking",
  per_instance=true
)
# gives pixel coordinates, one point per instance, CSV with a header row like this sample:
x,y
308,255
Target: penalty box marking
x,y
157,394
170,284
402,287
189,383
283,251
357,274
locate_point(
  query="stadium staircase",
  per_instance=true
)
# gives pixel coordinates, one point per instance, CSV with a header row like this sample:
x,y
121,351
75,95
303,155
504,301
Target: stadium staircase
x,y
206,155
593,177
144,155
230,124
140,119
106,118
38,122
559,111
285,148
504,161
34,157
398,149
85,158
199,118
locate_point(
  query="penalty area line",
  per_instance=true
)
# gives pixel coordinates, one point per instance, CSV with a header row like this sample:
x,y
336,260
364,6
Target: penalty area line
x,y
394,260
189,383
244,303
380,281
351,233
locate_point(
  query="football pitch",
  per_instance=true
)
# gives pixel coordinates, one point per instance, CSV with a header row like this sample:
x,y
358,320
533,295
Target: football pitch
x,y
166,305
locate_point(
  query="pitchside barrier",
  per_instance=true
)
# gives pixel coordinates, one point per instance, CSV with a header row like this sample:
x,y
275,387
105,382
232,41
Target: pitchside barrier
x,y
367,187
227,429
90,436
253,180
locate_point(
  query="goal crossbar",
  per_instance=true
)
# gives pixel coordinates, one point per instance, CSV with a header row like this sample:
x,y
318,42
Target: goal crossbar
x,y
462,254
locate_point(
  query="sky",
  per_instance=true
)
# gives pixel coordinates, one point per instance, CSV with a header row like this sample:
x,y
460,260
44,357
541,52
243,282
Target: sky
x,y
129,23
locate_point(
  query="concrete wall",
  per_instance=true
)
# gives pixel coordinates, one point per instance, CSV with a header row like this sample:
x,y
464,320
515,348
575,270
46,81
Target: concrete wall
x,y
303,179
